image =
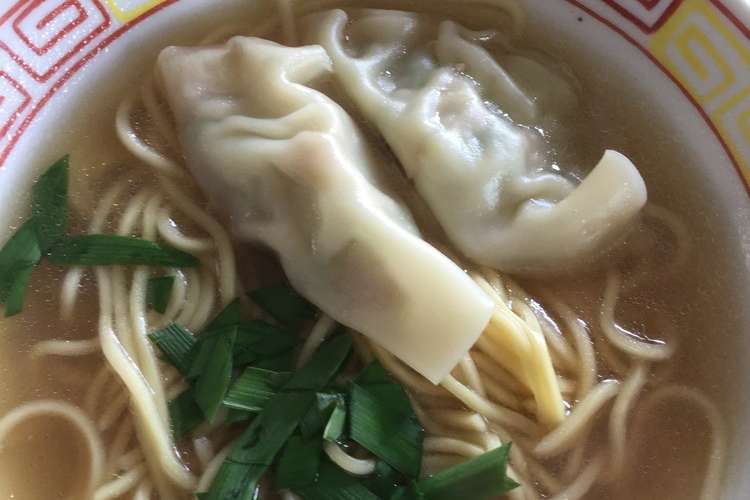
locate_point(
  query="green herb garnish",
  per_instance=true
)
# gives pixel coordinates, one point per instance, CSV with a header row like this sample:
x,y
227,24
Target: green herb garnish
x,y
224,323
258,340
334,429
478,478
316,418
335,484
111,249
45,235
17,260
385,481
185,414
284,304
158,292
176,343
383,421
50,204
291,414
256,449
216,376
298,465
213,359
254,388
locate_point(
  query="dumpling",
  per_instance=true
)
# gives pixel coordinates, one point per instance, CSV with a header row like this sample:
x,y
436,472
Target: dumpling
x,y
291,170
453,116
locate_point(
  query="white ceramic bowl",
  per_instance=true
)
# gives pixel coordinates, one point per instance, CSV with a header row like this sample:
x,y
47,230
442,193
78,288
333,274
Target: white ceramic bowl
x,y
687,60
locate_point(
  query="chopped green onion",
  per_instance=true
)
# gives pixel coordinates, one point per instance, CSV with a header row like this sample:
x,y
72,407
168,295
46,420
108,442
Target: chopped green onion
x,y
185,414
405,493
45,234
478,478
254,451
383,421
334,429
385,480
158,292
326,363
234,416
176,343
17,293
214,379
229,316
284,304
109,249
17,260
298,465
335,484
225,321
256,448
316,419
50,204
252,390
284,362
258,340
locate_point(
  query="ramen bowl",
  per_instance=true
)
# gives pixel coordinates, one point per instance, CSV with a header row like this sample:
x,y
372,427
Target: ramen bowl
x,y
678,70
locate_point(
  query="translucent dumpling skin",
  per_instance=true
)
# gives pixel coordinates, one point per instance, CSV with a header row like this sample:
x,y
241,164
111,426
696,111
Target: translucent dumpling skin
x,y
291,170
453,116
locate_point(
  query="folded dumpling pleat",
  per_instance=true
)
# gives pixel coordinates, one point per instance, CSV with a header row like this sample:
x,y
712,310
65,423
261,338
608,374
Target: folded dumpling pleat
x,y
458,123
292,171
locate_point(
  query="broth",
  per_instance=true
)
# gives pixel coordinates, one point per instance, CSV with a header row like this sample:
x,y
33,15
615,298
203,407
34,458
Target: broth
x,y
669,448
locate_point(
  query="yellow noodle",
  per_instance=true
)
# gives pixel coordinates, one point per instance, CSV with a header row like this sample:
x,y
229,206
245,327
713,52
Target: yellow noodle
x,y
487,409
580,419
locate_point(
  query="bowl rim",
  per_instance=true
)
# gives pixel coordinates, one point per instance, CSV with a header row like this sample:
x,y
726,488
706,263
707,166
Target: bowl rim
x,y
637,24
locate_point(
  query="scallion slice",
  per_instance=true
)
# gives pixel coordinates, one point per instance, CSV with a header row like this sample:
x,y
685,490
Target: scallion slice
x,y
405,493
254,388
158,292
185,414
478,478
221,325
17,293
44,234
335,484
298,465
383,421
334,429
261,341
110,249
17,260
235,416
385,481
176,343
255,450
50,204
326,363
214,379
316,419
284,304
281,363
